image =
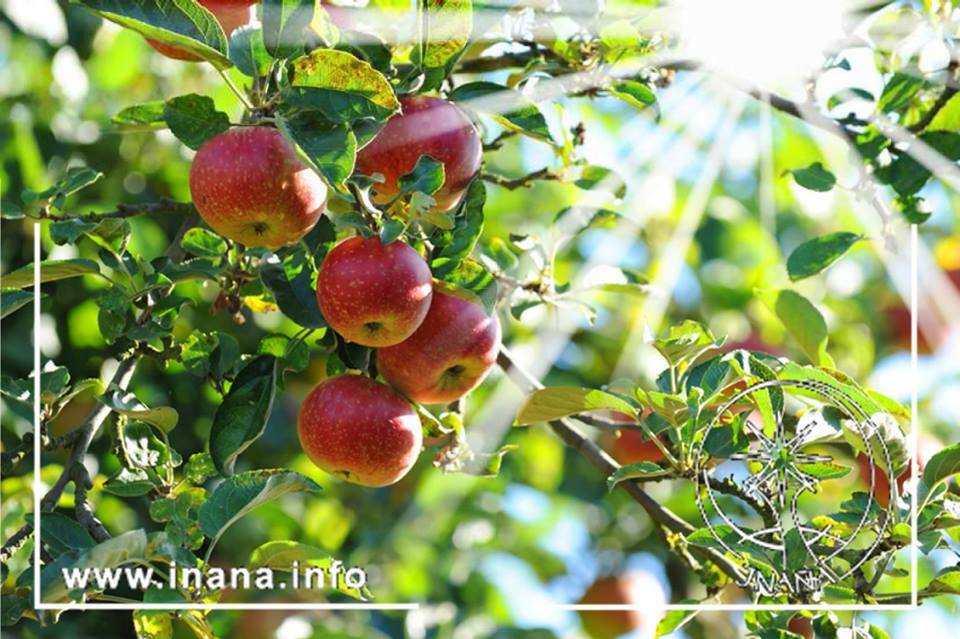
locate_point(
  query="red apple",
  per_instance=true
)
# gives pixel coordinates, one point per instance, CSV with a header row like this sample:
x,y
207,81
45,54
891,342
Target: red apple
x,y
633,447
801,625
897,319
449,355
638,589
372,294
359,430
425,126
231,14
249,185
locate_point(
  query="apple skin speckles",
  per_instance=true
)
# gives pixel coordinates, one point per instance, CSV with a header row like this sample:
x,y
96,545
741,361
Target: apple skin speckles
x,y
372,294
424,126
360,430
249,185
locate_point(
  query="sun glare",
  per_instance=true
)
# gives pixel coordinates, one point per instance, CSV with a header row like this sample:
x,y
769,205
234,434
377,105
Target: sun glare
x,y
774,44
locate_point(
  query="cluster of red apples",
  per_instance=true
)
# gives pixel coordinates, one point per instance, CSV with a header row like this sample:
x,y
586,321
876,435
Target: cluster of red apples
x,y
434,345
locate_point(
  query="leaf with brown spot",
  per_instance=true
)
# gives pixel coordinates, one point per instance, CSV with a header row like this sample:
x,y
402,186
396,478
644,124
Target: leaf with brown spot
x,y
341,86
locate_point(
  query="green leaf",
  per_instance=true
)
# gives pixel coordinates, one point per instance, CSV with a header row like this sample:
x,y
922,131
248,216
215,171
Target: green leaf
x,y
330,148
62,534
122,549
946,582
392,229
686,342
427,176
203,243
507,106
562,401
802,320
69,231
12,299
712,539
602,178
675,619
50,270
248,52
194,119
898,92
235,497
815,177
724,440
825,470
284,24
148,115
77,178
634,93
281,555
163,417
296,358
907,175
471,277
848,94
813,256
458,243
181,23
143,449
242,416
292,284
943,465
153,624
447,25
641,470
948,118
341,86
130,482
14,607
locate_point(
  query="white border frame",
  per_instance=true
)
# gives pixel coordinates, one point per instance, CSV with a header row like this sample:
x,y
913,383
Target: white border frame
x,y
38,488
701,607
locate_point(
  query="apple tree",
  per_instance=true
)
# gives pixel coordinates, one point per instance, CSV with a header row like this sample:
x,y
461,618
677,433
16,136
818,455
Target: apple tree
x,y
300,260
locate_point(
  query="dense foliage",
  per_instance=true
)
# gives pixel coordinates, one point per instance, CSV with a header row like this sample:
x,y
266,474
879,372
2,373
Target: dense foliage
x,y
177,352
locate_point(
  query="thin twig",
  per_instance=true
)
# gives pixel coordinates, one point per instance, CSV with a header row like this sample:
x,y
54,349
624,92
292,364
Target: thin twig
x,y
948,92
600,460
525,181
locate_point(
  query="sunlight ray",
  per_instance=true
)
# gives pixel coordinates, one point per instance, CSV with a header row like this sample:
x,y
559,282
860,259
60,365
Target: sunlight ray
x,y
490,425
674,254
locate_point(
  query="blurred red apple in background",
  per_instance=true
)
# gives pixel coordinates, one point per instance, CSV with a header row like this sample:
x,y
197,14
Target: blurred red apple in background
x,y
231,14
638,589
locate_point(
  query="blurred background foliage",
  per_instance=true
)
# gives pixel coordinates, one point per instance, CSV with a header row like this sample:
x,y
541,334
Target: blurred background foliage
x,y
479,552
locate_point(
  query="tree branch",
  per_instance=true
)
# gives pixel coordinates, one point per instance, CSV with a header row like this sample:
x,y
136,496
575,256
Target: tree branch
x,y
948,92
600,460
525,181
80,439
15,542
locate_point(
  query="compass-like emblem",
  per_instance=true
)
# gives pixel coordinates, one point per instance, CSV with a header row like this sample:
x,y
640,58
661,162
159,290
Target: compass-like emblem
x,y
775,473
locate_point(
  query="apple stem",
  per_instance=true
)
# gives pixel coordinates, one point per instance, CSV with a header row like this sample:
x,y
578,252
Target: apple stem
x,y
236,90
